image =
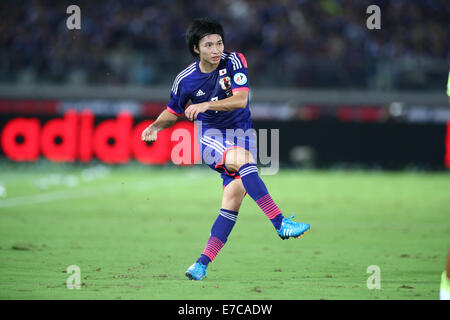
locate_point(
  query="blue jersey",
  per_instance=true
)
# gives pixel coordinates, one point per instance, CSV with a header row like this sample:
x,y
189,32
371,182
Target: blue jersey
x,y
193,85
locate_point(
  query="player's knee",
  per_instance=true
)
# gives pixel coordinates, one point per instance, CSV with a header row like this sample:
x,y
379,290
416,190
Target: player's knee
x,y
237,157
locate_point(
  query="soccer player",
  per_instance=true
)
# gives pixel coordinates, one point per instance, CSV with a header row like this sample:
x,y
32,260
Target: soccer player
x,y
217,85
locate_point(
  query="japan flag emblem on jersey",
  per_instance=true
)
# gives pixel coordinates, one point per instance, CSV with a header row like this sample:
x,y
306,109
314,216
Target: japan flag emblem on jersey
x,y
222,72
225,83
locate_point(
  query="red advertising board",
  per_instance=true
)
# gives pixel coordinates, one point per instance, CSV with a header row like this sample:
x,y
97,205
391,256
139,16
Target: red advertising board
x,y
74,137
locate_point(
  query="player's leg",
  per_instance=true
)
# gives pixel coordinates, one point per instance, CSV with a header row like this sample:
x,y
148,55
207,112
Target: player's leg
x,y
233,194
240,160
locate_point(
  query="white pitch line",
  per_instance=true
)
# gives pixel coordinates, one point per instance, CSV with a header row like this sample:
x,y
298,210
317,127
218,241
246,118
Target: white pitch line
x,y
53,196
83,193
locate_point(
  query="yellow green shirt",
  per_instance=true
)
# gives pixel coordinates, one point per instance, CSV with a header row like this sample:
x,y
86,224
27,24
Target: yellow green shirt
x,y
448,84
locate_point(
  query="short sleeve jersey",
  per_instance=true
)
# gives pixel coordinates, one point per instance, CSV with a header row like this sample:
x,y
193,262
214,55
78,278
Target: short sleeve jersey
x,y
193,85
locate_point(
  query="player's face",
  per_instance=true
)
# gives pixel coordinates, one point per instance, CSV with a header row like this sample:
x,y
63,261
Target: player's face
x,y
210,48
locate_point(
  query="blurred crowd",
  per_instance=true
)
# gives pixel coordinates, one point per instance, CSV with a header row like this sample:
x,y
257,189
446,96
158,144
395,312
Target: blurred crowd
x,y
287,43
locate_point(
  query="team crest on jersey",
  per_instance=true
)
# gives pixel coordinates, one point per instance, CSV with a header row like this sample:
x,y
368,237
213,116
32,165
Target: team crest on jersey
x,y
240,78
225,83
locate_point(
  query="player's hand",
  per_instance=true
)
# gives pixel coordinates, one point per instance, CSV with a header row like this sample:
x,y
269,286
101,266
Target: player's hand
x,y
194,109
149,134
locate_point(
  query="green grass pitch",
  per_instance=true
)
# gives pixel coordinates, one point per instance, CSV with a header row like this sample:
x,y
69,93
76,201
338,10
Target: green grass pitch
x,y
134,230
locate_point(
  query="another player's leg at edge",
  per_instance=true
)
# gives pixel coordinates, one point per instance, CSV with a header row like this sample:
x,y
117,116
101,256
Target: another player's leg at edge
x,y
241,161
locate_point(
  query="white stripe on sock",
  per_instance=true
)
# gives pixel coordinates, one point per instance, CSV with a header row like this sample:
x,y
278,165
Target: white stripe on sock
x,y
245,170
248,170
250,166
229,216
246,174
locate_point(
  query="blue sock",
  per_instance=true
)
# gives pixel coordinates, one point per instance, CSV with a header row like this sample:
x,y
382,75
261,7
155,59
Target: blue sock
x,y
257,190
220,231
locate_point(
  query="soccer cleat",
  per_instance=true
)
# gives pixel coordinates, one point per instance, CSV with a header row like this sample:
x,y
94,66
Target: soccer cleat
x,y
291,228
196,272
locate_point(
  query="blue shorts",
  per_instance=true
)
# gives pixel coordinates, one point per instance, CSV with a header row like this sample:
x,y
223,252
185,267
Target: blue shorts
x,y
215,143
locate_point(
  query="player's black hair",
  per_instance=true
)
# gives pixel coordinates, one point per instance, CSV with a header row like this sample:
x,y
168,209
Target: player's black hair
x,y
198,29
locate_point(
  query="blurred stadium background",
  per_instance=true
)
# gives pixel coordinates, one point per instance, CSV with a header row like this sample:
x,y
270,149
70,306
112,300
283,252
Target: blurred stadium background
x,y
316,71
348,97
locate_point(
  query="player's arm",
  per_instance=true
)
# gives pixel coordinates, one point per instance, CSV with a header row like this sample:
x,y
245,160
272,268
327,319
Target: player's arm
x,y
174,110
164,120
237,101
